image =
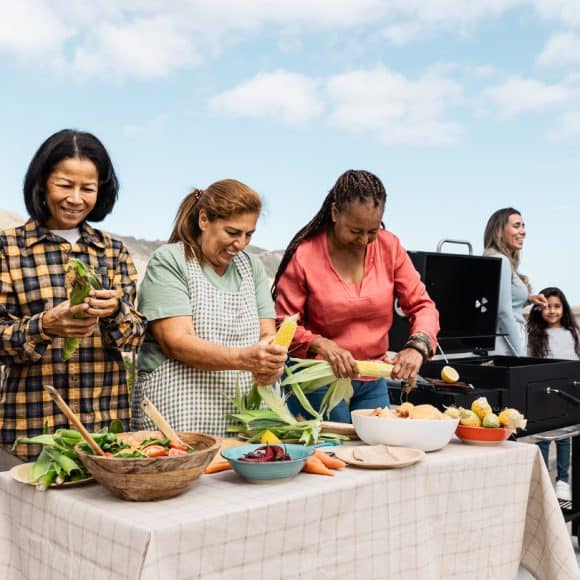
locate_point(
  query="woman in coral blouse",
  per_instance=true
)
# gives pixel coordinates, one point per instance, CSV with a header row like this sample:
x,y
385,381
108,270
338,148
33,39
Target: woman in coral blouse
x,y
342,273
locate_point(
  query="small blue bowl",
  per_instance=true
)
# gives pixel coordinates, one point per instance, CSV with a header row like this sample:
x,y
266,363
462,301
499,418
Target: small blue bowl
x,y
271,470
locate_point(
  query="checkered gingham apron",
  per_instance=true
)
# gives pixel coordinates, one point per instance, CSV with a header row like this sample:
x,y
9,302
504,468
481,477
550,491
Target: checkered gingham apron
x,y
192,399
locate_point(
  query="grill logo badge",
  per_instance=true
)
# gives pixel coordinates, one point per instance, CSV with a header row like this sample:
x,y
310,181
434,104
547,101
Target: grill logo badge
x,y
481,304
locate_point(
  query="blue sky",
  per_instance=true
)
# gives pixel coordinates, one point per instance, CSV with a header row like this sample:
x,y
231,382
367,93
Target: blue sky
x,y
460,107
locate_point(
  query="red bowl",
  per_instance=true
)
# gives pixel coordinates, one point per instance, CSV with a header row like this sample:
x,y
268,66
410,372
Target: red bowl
x,y
482,435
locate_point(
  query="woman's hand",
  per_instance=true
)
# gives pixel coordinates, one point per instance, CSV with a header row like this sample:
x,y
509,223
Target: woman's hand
x,y
60,321
342,362
265,379
538,300
265,360
102,303
406,364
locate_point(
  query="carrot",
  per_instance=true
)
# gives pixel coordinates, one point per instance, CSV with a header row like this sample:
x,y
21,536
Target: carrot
x,y
330,462
314,465
217,467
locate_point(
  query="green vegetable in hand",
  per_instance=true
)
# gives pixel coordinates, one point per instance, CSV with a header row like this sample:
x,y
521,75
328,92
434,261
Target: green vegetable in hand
x,y
81,279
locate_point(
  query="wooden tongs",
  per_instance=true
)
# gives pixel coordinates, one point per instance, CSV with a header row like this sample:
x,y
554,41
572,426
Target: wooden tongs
x,y
73,419
160,422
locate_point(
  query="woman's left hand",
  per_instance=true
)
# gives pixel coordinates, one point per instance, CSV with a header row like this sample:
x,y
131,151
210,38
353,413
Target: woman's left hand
x,y
538,300
406,364
102,303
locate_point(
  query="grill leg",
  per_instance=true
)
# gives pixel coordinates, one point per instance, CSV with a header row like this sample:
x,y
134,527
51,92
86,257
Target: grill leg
x,y
575,487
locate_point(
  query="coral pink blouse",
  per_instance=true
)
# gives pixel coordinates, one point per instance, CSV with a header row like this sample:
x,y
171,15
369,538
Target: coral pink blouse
x,y
355,316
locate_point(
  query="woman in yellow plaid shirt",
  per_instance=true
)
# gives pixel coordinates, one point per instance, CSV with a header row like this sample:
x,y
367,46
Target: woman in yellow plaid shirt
x,y
70,181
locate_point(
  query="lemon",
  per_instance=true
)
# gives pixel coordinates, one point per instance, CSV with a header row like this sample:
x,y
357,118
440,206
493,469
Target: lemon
x,y
449,374
512,419
491,420
481,407
269,437
452,412
469,418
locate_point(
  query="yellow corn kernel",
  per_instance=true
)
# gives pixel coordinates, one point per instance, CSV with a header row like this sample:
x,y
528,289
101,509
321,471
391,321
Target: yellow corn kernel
x,y
374,368
286,331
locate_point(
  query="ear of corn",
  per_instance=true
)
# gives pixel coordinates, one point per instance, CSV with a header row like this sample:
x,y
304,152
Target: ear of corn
x,y
81,279
321,370
286,331
313,374
374,368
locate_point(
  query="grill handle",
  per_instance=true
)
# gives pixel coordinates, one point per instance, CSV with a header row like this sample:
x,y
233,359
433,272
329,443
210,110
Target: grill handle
x,y
460,242
563,394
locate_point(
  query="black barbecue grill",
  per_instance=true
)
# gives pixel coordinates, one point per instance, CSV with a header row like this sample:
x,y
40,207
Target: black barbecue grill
x,y
465,289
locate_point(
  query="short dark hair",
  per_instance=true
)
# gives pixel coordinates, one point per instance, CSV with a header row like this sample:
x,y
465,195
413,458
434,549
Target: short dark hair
x,y
69,144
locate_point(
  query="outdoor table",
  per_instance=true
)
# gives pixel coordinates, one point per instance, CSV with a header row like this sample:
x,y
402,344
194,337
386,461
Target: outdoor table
x,y
462,512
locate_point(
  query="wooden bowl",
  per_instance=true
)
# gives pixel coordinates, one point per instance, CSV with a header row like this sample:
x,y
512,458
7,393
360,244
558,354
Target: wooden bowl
x,y
152,478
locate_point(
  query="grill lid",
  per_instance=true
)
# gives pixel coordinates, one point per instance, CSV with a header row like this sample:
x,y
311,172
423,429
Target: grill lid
x,y
465,289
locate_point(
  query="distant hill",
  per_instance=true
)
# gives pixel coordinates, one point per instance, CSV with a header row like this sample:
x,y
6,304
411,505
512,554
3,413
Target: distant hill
x,y
141,250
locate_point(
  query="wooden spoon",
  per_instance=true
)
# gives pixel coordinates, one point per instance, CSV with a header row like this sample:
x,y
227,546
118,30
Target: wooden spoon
x,y
160,422
55,396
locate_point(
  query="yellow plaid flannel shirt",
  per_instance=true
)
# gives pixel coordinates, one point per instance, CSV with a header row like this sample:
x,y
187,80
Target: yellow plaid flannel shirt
x,y
93,382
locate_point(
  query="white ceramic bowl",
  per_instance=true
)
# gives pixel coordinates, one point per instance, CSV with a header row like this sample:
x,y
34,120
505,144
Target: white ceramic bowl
x,y
424,434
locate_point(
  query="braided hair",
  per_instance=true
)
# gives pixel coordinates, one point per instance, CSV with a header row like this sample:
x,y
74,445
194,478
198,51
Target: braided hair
x,y
353,185
538,345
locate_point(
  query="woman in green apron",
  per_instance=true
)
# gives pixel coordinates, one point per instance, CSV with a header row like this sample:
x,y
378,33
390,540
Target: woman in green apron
x,y
211,317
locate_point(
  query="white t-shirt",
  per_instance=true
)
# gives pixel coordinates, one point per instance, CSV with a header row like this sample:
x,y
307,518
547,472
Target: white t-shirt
x,y
561,344
71,236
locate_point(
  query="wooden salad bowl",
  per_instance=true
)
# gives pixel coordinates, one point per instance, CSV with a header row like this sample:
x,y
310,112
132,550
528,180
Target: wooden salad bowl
x,y
152,478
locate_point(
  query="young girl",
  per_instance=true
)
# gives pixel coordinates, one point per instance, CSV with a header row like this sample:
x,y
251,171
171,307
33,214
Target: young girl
x,y
554,333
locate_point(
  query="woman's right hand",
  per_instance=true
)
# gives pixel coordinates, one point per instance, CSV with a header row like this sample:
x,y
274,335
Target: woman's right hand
x,y
60,321
342,362
265,360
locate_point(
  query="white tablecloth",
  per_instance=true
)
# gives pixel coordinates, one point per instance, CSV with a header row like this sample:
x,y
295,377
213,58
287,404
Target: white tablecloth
x,y
463,512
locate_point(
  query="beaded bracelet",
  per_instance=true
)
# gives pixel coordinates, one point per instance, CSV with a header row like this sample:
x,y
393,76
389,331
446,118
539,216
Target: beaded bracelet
x,y
425,339
419,346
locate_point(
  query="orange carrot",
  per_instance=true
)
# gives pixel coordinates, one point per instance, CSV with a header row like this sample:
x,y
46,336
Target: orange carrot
x,y
314,465
330,462
217,467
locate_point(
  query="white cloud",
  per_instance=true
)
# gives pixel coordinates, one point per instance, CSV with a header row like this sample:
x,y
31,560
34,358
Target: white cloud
x,y
567,127
561,49
290,97
519,95
30,28
414,20
152,38
144,48
379,101
399,109
565,11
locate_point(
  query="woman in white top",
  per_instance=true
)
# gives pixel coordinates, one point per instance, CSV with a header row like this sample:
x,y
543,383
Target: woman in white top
x,y
554,333
504,238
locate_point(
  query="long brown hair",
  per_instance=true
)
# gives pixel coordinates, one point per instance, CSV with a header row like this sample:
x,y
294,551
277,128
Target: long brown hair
x,y
352,185
538,343
493,240
221,200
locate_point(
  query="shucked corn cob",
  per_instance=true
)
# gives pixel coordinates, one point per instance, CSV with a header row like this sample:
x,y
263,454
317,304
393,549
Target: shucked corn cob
x,y
81,279
311,375
374,368
286,331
